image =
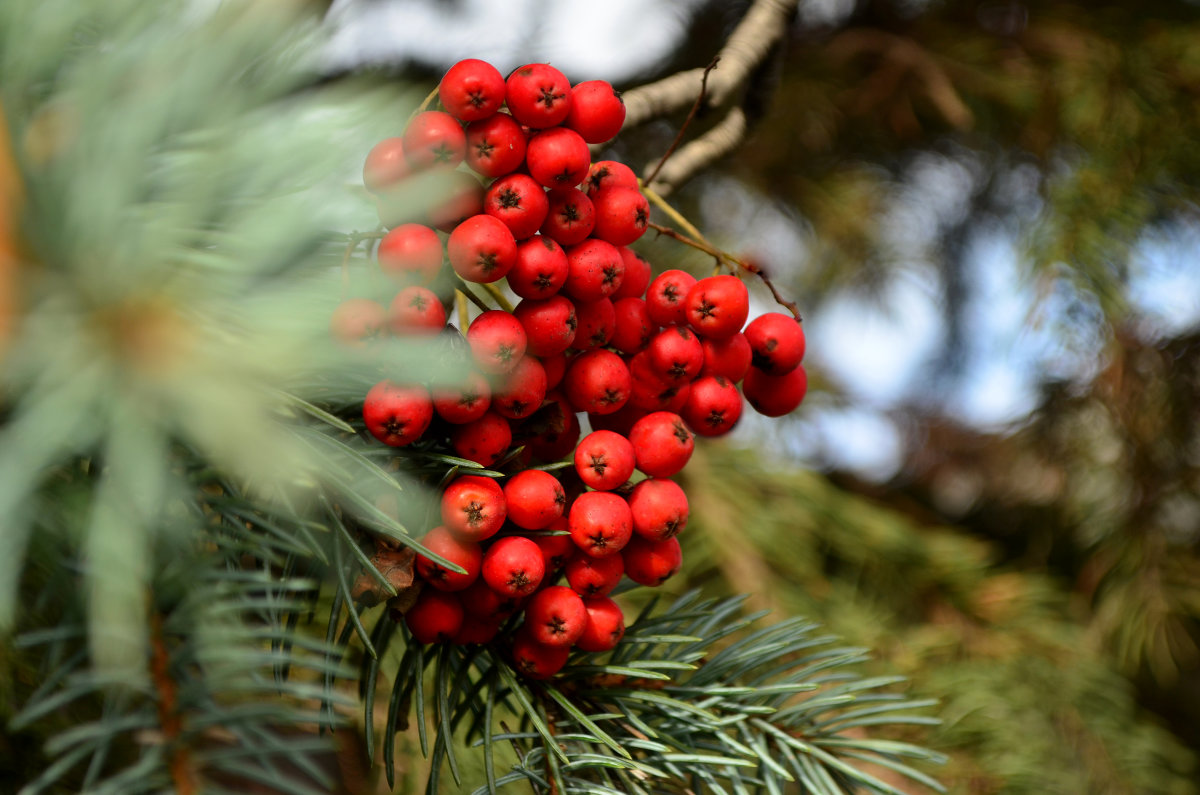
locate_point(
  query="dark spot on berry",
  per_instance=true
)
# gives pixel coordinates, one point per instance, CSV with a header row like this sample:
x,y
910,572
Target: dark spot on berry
x,y
772,344
517,406
563,176
707,308
572,322
394,426
548,97
504,352
442,153
543,281
671,528
570,214
560,497
418,302
599,337
671,293
518,580
612,273
678,369
681,433
548,243
598,464
474,512
477,99
598,540
761,361
612,397
556,626
683,332
509,199
483,149
640,217
715,418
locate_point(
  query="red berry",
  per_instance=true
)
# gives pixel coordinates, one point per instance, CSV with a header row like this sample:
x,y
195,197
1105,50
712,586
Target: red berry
x,y
600,523
481,602
634,328
471,90
465,554
775,395
475,630
513,566
559,434
519,202
675,354
659,507
395,414
652,563
555,367
549,324
717,307
385,165
473,508
637,275
595,323
497,341
556,549
594,270
610,173
555,616
776,343
411,253
597,111
651,390
713,407
495,145
597,382
356,321
589,576
666,295
729,357
464,403
605,626
538,95
416,310
604,460
434,617
483,440
535,499
482,249
460,196
662,444
537,660
434,138
558,158
621,215
522,390
541,268
571,216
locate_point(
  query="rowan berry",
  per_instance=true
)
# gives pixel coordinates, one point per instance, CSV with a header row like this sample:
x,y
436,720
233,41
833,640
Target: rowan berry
x,y
483,440
776,343
775,395
495,145
652,563
473,508
482,249
540,269
513,566
397,414
662,444
558,158
604,460
357,321
600,523
410,253
597,382
535,499
666,295
659,508
538,95
717,307
713,407
519,202
416,310
605,626
434,138
537,660
591,576
471,90
597,111
497,341
555,616
549,324
465,554
435,616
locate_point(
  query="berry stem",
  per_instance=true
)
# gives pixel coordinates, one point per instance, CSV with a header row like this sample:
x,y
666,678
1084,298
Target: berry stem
x,y
464,314
469,293
424,106
501,301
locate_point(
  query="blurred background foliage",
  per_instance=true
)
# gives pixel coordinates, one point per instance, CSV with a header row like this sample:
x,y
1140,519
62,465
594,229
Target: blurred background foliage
x,y
1036,569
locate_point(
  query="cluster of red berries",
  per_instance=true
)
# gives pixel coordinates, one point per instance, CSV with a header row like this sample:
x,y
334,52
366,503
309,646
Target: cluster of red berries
x,y
650,361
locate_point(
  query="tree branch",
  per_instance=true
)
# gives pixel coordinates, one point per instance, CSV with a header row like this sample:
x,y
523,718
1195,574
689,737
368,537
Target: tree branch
x,y
763,26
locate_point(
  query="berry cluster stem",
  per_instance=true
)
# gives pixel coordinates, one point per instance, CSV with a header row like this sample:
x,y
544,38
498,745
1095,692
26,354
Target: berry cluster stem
x,y
696,240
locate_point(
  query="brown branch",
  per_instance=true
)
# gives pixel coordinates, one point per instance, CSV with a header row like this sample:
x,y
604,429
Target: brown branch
x,y
760,29
686,122
702,152
179,760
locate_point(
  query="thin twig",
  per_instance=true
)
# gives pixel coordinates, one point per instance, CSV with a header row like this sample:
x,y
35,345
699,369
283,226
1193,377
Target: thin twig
x,y
495,293
464,315
724,257
179,762
686,122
